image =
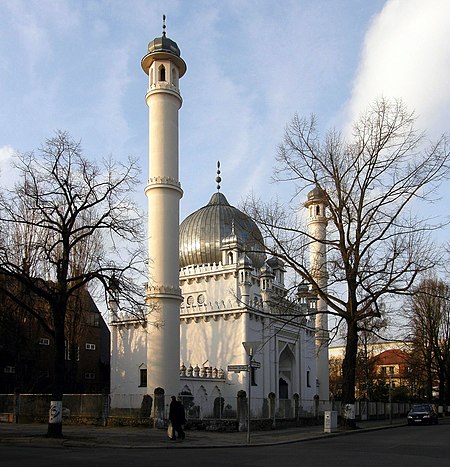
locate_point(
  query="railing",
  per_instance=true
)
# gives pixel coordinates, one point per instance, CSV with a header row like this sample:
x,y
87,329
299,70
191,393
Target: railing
x,y
201,408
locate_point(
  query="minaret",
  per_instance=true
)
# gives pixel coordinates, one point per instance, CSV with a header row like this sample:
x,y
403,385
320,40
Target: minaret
x,y
164,67
317,226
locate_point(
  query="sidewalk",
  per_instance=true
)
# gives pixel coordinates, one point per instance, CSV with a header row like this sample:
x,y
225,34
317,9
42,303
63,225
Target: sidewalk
x,y
131,437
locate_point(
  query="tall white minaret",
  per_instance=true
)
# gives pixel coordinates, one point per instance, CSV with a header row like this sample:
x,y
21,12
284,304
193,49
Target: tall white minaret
x,y
317,229
164,67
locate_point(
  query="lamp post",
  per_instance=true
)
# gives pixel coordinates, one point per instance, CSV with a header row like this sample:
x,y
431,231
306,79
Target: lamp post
x,y
250,348
390,399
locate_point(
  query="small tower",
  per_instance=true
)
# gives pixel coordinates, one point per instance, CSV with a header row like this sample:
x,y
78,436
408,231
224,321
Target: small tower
x,y
317,226
164,66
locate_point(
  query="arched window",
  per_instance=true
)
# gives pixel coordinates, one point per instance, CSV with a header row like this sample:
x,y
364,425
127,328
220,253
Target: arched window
x,y
174,77
317,210
230,258
162,73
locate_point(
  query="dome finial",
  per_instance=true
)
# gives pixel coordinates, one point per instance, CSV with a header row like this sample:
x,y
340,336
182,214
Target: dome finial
x,y
164,26
218,178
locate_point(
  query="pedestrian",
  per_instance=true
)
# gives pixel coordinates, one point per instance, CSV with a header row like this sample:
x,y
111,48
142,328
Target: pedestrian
x,y
177,418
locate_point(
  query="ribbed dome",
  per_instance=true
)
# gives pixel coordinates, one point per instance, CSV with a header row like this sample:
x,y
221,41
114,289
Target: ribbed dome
x,y
202,232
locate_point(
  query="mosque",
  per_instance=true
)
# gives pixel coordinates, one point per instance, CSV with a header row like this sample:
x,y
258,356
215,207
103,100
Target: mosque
x,y
219,318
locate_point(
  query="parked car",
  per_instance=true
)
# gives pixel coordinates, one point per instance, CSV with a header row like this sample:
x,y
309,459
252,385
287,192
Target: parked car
x,y
422,414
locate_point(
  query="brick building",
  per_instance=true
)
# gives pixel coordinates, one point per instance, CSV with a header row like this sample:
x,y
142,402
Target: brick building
x,y
27,350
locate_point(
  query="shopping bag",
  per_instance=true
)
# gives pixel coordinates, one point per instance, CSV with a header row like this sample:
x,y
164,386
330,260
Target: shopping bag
x,y
170,430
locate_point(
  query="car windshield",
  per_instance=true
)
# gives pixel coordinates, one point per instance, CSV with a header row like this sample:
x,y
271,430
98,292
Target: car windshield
x,y
421,408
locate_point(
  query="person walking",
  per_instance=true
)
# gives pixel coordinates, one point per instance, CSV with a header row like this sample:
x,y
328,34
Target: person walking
x,y
177,418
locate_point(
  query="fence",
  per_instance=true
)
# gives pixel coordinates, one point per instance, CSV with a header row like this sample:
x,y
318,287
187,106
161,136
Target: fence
x,y
98,407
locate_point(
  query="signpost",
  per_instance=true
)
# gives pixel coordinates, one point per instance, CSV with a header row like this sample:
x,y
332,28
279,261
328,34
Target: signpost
x,y
237,368
250,348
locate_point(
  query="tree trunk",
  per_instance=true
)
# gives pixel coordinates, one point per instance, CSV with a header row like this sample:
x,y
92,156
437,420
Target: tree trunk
x,y
349,373
54,429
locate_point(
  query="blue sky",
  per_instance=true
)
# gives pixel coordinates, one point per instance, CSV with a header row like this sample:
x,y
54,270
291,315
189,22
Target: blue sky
x,y
75,66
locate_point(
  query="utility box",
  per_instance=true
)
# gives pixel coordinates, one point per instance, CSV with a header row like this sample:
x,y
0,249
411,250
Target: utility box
x,y
330,421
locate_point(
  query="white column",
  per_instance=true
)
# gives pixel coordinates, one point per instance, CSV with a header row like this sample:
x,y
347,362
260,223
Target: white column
x,y
163,193
317,224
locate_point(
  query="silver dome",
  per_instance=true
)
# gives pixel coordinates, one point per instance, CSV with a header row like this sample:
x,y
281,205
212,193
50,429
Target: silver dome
x,y
202,232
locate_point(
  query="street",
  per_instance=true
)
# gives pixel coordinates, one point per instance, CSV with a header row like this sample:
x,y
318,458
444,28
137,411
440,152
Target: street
x,y
403,446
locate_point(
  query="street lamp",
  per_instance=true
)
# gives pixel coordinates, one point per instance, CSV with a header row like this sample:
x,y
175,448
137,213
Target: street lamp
x,y
390,399
250,347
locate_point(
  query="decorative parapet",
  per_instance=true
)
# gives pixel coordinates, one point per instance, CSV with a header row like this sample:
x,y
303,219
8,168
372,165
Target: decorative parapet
x,y
124,320
204,372
163,85
163,290
163,182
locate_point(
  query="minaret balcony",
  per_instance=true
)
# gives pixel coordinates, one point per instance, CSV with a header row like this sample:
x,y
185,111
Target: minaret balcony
x,y
163,86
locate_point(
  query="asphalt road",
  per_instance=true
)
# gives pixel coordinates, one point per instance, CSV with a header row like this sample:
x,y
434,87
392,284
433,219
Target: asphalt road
x,y
403,446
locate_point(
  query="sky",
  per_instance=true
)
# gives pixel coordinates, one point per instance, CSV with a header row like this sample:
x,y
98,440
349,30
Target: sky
x,y
251,65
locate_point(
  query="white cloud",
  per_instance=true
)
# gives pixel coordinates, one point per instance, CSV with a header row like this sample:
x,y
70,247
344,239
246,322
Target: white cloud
x,y
406,55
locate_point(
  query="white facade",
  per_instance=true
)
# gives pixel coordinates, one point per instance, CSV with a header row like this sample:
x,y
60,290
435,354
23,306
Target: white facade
x,y
210,288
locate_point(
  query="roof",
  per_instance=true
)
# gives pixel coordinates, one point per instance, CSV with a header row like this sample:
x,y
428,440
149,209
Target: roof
x,y
202,234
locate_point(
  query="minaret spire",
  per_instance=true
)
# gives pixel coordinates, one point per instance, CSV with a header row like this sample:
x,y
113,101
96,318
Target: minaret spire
x,y
164,26
218,178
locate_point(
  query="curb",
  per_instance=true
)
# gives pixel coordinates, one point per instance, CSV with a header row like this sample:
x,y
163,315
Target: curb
x,y
55,443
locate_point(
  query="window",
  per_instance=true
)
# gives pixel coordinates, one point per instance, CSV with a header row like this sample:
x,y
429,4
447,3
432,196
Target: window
x,y
391,370
383,370
93,319
174,77
190,300
90,346
162,73
69,349
308,382
9,369
88,375
143,377
201,299
44,341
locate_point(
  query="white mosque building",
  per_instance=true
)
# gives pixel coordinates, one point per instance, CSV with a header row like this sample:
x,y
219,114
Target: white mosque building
x,y
211,288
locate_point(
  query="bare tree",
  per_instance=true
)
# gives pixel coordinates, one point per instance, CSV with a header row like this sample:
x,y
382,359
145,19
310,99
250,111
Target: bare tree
x,y
375,246
429,320
370,331
68,224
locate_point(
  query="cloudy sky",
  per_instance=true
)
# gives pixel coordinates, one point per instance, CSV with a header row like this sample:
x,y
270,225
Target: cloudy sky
x,y
75,66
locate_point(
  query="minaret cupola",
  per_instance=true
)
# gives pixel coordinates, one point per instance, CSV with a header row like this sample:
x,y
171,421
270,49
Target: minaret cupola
x,y
163,63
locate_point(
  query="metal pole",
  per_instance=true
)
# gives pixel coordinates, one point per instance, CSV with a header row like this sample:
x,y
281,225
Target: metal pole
x,y
390,401
249,376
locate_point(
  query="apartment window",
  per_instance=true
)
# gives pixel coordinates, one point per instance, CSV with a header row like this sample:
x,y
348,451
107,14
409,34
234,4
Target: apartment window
x,y
93,319
9,369
68,349
88,375
90,346
143,377
44,341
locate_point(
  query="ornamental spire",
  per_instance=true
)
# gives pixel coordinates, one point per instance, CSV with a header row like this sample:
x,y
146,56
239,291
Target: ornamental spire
x,y
218,178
